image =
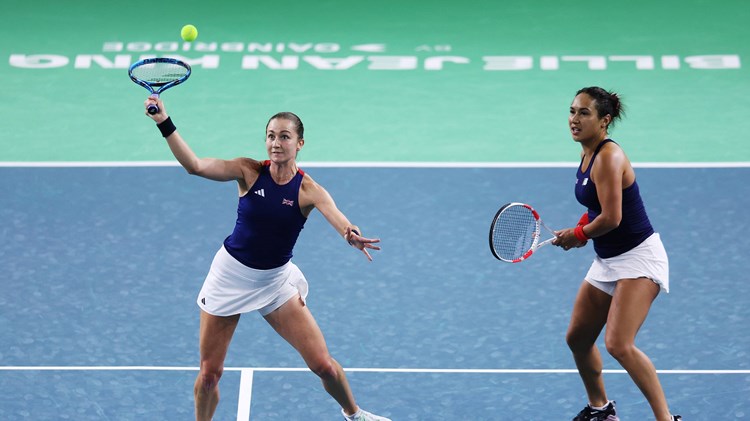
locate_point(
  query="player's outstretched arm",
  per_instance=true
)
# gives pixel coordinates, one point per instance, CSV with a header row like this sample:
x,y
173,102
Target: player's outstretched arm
x,y
323,201
211,168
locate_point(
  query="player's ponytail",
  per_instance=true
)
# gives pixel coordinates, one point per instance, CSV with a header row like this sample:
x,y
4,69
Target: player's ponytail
x,y
617,107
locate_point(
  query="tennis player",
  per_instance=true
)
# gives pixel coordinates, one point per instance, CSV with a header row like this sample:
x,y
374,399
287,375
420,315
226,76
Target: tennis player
x,y
630,267
252,270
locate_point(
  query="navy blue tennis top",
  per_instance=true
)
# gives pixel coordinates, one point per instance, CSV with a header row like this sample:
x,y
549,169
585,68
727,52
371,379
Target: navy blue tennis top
x,y
269,221
634,227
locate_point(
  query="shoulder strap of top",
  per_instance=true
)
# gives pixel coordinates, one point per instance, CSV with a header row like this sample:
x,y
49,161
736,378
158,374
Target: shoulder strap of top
x,y
598,148
591,161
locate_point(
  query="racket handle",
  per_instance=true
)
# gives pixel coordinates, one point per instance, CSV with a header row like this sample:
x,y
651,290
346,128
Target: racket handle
x,y
545,242
153,108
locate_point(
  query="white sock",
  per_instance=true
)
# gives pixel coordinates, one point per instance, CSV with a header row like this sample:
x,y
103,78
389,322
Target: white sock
x,y
600,408
353,416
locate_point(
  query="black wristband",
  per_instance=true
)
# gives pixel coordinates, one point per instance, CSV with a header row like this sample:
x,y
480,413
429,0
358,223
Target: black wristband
x,y
166,127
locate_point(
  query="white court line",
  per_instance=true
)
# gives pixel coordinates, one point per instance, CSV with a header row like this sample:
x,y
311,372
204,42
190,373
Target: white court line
x,y
361,370
246,374
376,164
246,393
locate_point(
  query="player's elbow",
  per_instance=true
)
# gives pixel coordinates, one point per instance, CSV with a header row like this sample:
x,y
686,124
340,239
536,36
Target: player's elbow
x,y
192,170
194,167
609,222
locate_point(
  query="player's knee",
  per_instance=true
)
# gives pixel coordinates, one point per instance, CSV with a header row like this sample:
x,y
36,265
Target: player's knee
x,y
570,339
324,368
577,343
208,377
619,349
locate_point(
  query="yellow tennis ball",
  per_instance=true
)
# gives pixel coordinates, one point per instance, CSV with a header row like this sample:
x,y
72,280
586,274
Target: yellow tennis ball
x,y
189,33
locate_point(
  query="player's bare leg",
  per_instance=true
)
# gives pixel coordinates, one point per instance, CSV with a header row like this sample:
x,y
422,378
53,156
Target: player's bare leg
x,y
586,322
294,322
215,335
630,306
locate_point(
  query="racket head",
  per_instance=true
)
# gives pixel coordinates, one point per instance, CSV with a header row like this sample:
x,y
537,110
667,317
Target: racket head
x,y
160,73
514,232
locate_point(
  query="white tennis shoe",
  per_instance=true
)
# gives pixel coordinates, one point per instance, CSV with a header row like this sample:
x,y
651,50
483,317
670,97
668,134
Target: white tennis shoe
x,y
363,415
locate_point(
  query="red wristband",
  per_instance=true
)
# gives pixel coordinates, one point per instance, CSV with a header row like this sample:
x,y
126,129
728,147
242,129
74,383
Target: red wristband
x,y
580,235
584,219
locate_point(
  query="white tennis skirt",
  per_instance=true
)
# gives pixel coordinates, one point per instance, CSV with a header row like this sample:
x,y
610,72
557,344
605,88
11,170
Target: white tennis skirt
x,y
232,288
647,260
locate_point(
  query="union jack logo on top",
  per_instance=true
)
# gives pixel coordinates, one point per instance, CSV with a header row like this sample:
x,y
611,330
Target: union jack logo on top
x,y
287,202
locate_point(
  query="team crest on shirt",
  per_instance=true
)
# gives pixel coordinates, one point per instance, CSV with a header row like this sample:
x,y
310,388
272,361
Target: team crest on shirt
x,y
287,202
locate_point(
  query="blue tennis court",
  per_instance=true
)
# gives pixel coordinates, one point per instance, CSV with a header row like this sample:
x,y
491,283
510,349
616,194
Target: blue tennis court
x,y
103,264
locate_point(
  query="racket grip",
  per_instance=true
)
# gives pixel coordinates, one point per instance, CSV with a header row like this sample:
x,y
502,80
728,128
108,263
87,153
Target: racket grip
x,y
153,108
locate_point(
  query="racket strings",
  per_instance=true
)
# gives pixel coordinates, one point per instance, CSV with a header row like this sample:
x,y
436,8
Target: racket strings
x,y
159,73
516,232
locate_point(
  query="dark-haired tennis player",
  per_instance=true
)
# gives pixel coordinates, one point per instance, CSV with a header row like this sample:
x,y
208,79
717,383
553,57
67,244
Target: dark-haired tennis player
x,y
253,271
630,267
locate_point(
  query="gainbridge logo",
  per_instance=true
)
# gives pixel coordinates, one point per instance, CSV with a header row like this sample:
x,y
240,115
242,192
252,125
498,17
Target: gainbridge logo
x,y
370,56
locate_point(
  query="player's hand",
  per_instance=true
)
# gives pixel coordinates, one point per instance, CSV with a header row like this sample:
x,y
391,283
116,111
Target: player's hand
x,y
161,115
566,239
361,243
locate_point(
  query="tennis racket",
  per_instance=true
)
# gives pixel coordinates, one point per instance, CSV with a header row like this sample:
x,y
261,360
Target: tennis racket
x,y
515,232
158,74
